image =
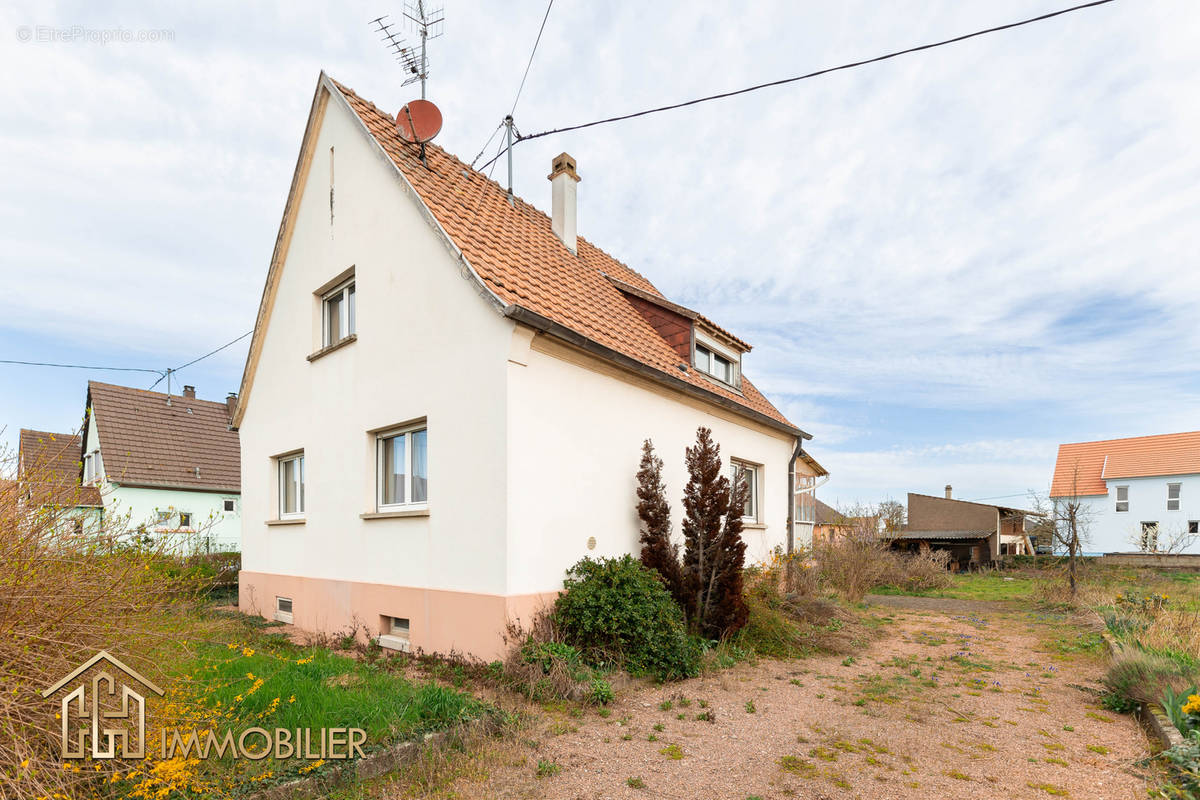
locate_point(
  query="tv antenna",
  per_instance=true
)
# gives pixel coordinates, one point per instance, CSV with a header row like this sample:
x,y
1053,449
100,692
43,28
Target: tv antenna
x,y
427,24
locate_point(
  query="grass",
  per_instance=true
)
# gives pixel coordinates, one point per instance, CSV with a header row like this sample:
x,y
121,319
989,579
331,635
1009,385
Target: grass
x,y
290,688
973,586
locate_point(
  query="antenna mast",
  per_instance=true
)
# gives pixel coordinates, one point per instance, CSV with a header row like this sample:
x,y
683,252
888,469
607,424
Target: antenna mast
x,y
428,24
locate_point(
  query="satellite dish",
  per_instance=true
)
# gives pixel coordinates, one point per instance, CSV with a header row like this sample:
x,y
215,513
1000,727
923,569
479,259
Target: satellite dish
x,y
419,121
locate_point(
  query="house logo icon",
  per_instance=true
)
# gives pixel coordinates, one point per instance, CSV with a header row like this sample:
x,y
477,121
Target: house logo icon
x,y
89,713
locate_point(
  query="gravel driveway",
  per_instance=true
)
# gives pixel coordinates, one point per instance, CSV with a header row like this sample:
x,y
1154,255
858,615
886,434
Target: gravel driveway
x,y
950,701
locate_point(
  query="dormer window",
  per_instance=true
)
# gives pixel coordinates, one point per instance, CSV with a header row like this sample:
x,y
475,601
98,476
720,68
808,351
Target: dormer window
x,y
716,360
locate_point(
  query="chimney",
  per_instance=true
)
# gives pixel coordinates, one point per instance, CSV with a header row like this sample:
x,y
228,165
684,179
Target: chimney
x,y
189,392
231,404
949,491
563,178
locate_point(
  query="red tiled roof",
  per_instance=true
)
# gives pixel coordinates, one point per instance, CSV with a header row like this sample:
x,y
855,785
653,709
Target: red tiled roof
x,y
49,467
1082,467
519,259
145,441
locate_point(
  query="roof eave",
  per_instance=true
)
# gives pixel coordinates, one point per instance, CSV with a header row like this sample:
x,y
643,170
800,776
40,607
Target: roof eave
x,y
548,326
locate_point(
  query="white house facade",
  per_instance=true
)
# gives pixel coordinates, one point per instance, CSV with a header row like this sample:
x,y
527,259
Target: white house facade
x,y
447,393
1140,494
165,466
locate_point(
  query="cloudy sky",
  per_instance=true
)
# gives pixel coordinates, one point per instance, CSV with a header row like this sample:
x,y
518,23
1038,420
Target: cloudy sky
x,y
948,263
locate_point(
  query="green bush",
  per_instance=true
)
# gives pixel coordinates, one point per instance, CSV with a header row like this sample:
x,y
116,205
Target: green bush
x,y
545,654
1183,761
617,611
602,692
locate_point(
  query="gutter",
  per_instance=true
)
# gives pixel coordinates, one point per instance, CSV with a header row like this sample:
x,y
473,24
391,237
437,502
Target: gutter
x,y
552,328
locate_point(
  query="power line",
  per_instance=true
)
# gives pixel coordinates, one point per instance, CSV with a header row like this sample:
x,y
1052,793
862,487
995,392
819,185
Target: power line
x,y
818,73
533,52
174,370
81,366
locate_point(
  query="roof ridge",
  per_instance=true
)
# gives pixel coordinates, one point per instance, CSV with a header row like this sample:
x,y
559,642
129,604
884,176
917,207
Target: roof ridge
x,y
1131,438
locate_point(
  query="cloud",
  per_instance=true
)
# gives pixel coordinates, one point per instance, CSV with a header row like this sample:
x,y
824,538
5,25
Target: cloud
x,y
988,242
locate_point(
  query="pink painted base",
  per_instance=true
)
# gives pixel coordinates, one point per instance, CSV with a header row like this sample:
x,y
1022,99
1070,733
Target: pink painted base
x,y
439,621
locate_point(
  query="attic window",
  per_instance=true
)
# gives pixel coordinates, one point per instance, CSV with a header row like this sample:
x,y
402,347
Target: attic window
x,y
337,314
716,361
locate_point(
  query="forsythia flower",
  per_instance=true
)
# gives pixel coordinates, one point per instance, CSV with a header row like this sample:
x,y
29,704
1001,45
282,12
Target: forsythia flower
x,y
1192,706
247,651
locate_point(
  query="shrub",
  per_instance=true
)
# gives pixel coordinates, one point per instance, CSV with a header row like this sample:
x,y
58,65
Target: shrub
x,y
618,612
792,625
542,667
1182,708
658,552
1137,677
1183,761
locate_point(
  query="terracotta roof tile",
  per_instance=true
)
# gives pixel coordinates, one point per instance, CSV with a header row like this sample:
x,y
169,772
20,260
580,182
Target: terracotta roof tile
x,y
49,465
1083,467
518,257
145,441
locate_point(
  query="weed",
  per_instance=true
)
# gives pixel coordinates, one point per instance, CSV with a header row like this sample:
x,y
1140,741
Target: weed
x,y
958,776
750,707
635,783
798,766
672,751
1049,788
1098,748
547,769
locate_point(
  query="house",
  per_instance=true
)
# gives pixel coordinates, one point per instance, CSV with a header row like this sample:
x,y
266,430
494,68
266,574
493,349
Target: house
x,y
171,463
48,478
1136,494
975,534
447,392
830,523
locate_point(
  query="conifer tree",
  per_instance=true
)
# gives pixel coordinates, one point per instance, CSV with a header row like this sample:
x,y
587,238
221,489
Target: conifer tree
x,y
658,553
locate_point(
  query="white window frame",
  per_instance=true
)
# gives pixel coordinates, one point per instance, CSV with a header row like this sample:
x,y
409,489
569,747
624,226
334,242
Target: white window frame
x,y
229,505
92,467
737,464
1120,502
409,474
280,463
183,514
706,363
1178,487
280,614
162,519
348,322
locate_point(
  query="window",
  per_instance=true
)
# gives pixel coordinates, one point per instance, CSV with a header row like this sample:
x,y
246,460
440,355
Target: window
x,y
1122,498
1149,536
399,627
185,519
291,486
229,505
338,314
283,609
715,359
162,519
1174,490
749,474
93,467
402,467
1193,526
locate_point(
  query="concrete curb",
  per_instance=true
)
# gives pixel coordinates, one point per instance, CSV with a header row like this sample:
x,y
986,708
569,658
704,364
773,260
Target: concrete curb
x,y
370,766
1151,716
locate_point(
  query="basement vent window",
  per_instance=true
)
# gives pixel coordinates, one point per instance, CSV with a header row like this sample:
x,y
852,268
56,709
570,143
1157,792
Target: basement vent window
x,y
396,633
283,609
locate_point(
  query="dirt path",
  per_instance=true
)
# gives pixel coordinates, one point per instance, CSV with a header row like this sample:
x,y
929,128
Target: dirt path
x,y
945,704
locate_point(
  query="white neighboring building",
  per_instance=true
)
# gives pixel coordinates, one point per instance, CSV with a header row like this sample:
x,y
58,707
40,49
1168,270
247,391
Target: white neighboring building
x,y
1138,494
169,462
447,392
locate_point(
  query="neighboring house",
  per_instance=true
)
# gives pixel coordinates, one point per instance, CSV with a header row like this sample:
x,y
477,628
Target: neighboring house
x,y
1136,494
974,534
169,462
447,391
48,476
831,524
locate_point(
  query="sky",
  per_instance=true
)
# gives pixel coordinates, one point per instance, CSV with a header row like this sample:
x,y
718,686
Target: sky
x,y
947,263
